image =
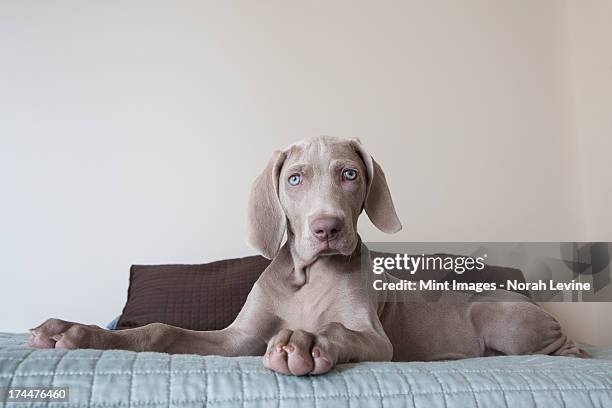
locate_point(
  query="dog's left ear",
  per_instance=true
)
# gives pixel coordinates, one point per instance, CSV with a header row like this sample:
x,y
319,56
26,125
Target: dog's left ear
x,y
266,219
378,203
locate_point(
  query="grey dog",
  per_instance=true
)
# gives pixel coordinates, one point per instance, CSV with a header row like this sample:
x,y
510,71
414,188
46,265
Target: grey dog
x,y
310,309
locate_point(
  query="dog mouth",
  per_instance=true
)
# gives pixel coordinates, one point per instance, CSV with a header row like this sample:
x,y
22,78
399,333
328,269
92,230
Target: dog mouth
x,y
327,247
330,247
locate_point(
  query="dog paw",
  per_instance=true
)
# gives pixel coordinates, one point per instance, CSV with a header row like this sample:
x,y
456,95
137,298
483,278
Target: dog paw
x,y
56,333
297,352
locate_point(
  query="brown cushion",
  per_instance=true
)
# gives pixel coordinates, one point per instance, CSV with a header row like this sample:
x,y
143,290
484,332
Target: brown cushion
x,y
198,297
209,296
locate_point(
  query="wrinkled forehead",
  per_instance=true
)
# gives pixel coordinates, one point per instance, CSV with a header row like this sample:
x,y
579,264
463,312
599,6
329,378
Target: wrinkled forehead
x,y
323,152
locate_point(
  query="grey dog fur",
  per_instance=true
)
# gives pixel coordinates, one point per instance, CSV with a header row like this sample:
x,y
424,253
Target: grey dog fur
x,y
310,309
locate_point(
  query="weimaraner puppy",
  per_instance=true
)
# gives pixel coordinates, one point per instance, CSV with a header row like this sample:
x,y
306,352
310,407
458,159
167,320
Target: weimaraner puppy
x,y
311,308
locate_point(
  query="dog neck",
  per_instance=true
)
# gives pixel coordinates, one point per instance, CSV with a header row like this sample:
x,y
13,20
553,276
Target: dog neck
x,y
302,270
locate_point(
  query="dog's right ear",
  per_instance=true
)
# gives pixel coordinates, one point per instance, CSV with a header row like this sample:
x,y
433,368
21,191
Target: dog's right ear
x,y
266,219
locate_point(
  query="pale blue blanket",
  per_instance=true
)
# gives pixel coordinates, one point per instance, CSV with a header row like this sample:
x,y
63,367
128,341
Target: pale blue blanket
x,y
127,379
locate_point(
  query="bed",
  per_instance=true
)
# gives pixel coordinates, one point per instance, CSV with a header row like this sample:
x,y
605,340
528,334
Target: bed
x,y
116,378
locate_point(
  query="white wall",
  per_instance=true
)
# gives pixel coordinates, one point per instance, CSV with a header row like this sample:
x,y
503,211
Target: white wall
x,y
590,23
590,38
130,132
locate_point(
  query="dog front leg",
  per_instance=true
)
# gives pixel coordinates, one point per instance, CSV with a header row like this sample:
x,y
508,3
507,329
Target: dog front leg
x,y
297,352
229,342
157,337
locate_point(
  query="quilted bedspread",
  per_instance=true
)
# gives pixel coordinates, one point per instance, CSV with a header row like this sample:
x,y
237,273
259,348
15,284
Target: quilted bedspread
x,y
126,379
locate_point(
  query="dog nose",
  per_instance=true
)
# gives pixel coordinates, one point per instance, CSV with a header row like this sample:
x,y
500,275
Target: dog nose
x,y
325,228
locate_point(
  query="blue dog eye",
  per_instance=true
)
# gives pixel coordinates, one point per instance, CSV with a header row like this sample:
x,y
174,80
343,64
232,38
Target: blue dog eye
x,y
350,174
295,179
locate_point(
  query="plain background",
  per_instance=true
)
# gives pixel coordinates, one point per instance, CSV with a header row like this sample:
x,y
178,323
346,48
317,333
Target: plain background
x,y
132,131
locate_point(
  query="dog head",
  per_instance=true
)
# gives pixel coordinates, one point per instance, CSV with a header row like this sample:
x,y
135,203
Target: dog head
x,y
315,191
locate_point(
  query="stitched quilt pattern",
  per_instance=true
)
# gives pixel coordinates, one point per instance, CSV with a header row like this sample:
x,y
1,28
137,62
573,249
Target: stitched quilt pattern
x,y
117,378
